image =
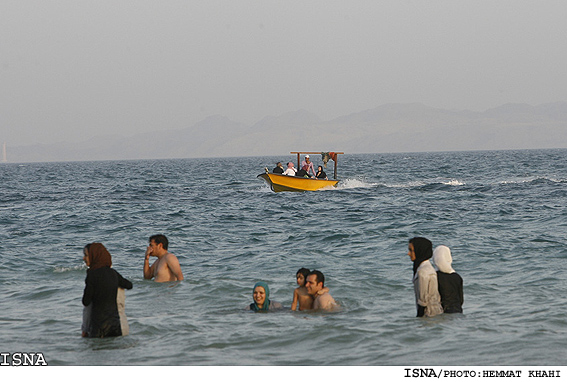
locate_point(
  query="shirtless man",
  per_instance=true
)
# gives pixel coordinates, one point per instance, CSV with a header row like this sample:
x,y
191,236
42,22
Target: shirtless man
x,y
316,283
166,267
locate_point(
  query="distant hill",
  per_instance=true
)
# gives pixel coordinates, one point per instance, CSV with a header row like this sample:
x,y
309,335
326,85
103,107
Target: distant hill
x,y
387,128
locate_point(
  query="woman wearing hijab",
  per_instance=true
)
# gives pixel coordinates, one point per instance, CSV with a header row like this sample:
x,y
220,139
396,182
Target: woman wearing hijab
x,y
425,285
101,292
450,282
321,174
261,296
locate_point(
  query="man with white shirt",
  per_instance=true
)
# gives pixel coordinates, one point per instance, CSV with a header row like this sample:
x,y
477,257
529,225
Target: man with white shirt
x,y
291,171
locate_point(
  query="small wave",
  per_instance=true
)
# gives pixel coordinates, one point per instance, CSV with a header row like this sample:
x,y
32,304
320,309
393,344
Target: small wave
x,y
454,182
533,179
514,181
69,269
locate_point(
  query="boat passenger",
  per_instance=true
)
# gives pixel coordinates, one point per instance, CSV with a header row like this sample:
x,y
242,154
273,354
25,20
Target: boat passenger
x,y
427,298
302,173
321,174
450,282
307,165
261,296
278,169
291,171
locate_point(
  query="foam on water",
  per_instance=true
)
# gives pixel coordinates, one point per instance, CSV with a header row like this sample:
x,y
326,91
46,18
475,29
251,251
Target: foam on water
x,y
79,267
346,184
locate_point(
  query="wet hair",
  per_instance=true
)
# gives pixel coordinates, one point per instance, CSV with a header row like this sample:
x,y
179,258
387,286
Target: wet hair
x,y
304,272
160,239
319,276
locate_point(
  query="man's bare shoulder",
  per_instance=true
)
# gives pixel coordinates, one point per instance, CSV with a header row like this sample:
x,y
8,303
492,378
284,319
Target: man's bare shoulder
x,y
324,301
174,266
170,257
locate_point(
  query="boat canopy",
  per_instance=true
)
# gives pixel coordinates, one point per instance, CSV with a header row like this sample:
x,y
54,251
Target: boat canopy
x,y
325,156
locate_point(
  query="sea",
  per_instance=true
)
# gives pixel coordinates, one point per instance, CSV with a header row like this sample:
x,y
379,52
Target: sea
x,y
502,213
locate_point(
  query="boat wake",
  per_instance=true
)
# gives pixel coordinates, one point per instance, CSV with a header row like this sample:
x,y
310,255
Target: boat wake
x,y
347,184
415,184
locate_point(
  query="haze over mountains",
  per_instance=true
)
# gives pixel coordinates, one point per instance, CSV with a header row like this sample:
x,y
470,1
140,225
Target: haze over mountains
x,y
388,128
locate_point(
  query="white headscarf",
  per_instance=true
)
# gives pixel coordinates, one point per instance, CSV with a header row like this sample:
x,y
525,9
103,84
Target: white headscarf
x,y
442,259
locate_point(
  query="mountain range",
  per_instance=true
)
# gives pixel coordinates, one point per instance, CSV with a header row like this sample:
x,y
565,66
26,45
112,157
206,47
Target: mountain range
x,y
388,128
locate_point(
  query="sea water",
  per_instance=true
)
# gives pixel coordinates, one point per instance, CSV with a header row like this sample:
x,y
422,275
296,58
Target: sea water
x,y
502,213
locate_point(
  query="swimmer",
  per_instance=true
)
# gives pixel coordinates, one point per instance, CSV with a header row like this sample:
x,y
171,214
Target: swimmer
x,y
300,294
315,285
426,289
102,318
261,297
450,282
166,267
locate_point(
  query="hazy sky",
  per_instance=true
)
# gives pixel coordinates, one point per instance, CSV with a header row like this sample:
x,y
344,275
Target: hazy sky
x,y
72,69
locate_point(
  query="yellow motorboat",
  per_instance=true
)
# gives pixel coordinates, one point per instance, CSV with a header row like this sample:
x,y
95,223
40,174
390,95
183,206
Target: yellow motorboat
x,y
279,182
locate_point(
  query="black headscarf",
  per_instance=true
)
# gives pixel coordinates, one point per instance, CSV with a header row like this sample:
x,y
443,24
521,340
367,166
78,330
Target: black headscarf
x,y
423,251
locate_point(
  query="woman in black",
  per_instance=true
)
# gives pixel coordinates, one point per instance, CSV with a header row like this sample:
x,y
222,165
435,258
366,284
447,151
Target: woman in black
x,y
450,282
320,173
278,169
101,288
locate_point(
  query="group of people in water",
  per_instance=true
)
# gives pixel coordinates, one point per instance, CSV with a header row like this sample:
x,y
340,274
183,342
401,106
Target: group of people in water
x,y
437,290
310,294
307,170
104,299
